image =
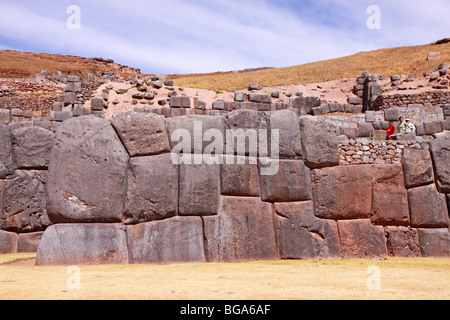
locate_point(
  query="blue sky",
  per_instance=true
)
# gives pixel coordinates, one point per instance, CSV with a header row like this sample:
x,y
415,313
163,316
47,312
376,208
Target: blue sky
x,y
193,36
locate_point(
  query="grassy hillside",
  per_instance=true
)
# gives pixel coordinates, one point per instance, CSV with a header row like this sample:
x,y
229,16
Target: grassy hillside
x,y
403,60
24,65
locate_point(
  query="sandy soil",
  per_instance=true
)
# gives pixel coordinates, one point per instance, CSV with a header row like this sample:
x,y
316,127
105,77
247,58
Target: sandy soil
x,y
400,279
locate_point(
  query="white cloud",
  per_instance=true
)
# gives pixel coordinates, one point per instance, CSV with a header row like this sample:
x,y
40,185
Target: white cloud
x,y
180,36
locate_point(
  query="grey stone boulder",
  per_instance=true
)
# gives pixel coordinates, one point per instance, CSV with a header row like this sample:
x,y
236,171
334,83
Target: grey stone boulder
x,y
244,132
8,242
290,183
417,167
83,244
175,240
304,105
23,200
288,124
29,242
142,134
254,87
428,208
7,163
87,173
319,143
243,230
157,84
239,176
196,128
440,152
32,147
199,187
303,236
434,243
152,192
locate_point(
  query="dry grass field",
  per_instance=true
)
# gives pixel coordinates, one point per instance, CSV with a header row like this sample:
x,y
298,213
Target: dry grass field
x,y
402,60
399,279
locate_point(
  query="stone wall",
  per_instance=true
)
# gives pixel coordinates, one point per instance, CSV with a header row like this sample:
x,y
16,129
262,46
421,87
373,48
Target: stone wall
x,y
425,99
116,192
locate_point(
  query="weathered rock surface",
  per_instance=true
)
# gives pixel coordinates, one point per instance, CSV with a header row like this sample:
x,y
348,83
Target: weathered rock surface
x,y
303,236
428,208
87,173
288,124
402,242
343,192
390,198
142,134
7,165
440,152
29,242
243,132
319,143
23,202
199,188
8,242
32,147
152,192
83,244
242,231
292,182
361,239
175,240
434,242
418,167
239,176
198,130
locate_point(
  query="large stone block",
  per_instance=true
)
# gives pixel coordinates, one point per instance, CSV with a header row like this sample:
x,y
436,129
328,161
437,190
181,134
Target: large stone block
x,y
7,165
434,243
432,127
428,208
8,242
361,239
291,183
343,192
142,134
239,176
417,167
440,152
304,105
175,240
23,202
319,143
245,130
199,187
303,236
194,133
87,173
242,231
152,192
390,198
32,147
83,244
288,124
29,242
402,242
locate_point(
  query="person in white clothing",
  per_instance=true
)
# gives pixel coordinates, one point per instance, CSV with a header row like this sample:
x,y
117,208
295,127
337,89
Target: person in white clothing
x,y
410,127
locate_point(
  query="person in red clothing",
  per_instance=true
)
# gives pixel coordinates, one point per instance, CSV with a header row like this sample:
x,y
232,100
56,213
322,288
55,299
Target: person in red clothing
x,y
390,130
